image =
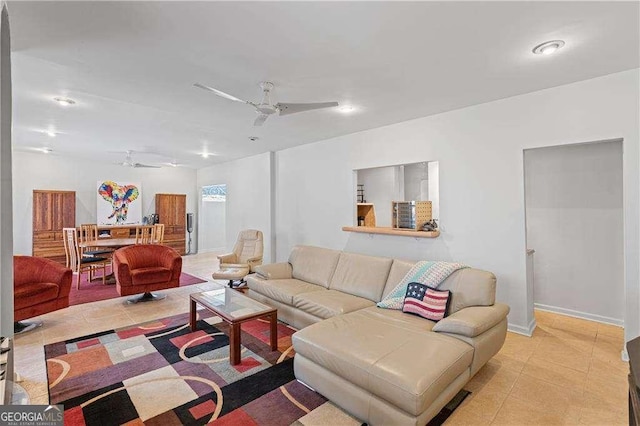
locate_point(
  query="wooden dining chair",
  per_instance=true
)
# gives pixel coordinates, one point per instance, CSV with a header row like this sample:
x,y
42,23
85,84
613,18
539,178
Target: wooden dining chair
x,y
157,234
144,234
88,234
78,263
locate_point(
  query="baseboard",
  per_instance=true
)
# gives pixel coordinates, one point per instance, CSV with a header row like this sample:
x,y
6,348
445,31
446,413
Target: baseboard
x,y
526,331
578,314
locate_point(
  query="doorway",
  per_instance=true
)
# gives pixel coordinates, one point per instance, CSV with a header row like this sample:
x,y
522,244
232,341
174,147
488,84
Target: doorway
x,y
213,209
574,223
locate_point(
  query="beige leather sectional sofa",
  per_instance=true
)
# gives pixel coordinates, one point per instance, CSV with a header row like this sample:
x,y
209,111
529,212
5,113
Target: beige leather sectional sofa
x,y
383,366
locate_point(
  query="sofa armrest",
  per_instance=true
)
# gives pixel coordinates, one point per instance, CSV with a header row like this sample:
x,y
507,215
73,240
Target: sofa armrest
x,y
121,269
275,271
64,285
172,260
228,258
473,320
253,262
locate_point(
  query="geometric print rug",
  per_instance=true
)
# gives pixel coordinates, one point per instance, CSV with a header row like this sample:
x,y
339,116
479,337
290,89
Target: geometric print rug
x,y
161,373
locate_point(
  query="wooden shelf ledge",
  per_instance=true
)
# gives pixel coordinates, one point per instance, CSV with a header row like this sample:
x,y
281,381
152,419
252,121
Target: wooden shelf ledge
x,y
391,231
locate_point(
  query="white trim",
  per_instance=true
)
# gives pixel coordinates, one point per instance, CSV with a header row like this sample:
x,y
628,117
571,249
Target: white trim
x,y
578,314
624,354
526,331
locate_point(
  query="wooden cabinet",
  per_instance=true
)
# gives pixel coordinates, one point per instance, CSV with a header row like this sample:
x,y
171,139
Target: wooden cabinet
x,y
52,211
112,231
172,211
366,214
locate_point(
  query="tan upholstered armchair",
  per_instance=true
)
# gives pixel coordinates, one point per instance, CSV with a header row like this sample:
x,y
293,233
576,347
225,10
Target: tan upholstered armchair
x,y
247,251
247,254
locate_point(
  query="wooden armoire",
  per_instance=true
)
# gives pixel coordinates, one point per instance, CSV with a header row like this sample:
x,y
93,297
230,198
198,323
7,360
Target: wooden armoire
x,y
52,211
172,211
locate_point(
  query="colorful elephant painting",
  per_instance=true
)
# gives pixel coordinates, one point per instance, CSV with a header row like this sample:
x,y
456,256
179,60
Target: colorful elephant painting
x,y
120,197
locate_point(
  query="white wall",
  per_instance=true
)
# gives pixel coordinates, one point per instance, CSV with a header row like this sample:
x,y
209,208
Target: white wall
x,y
249,196
382,186
480,154
48,171
415,175
573,197
212,231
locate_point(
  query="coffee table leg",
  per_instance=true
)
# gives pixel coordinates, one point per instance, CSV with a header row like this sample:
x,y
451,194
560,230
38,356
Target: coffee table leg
x,y
234,344
274,331
192,316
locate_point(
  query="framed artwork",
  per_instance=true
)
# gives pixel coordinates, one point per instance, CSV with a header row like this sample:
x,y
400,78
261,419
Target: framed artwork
x,y
119,203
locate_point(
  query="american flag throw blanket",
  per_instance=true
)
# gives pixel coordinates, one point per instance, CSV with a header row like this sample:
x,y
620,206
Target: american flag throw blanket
x,y
424,272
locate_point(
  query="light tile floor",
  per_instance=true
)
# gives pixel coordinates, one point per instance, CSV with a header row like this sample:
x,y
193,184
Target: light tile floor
x,y
569,372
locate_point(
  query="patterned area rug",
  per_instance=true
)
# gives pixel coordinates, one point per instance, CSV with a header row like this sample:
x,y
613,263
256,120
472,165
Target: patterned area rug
x,y
161,373
92,291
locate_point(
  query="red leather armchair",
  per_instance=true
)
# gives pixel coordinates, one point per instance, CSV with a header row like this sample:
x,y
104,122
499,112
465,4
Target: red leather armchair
x,y
39,286
144,268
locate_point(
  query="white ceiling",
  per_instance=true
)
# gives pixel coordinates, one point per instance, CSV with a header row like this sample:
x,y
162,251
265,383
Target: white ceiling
x,y
130,67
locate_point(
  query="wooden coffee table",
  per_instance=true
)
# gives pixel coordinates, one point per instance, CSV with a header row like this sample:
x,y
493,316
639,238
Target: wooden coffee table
x,y
234,308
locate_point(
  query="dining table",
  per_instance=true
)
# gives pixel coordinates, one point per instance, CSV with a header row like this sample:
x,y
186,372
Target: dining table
x,y
109,243
114,243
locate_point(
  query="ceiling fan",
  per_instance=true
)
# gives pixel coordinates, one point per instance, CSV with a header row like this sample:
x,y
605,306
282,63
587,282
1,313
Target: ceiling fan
x,y
128,162
265,108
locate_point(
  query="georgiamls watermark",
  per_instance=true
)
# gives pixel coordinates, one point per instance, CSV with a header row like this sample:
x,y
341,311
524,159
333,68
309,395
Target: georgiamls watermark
x,y
31,415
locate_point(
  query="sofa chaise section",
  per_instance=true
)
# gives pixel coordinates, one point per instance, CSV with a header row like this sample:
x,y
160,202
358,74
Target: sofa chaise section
x,y
395,374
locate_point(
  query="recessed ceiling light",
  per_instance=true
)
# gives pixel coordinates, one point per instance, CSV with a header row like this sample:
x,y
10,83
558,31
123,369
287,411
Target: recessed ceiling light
x,y
51,134
205,155
64,101
253,138
346,109
548,47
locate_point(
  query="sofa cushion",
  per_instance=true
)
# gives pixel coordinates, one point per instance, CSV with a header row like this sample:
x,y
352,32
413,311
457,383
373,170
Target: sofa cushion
x,y
282,290
470,287
399,268
314,264
31,294
150,275
386,359
398,319
326,304
360,275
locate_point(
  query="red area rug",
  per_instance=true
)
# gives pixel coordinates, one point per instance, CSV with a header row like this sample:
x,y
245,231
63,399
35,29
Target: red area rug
x,y
95,290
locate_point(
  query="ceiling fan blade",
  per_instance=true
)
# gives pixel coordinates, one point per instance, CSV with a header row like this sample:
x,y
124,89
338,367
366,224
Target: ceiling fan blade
x,y
260,120
138,165
220,93
286,109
